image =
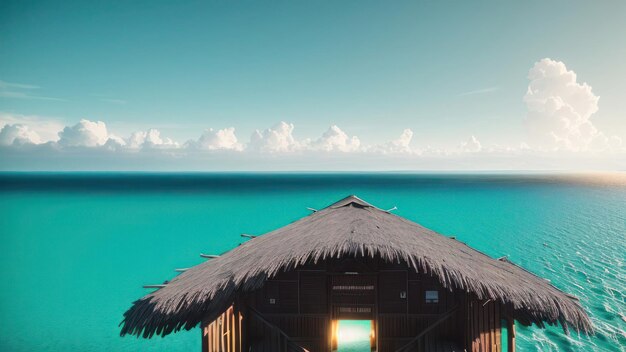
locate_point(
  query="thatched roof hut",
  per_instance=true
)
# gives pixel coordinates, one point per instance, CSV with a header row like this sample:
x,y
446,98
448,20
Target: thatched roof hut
x,y
350,227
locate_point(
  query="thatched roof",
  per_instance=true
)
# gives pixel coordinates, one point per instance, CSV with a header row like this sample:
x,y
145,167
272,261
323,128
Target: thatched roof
x,y
349,227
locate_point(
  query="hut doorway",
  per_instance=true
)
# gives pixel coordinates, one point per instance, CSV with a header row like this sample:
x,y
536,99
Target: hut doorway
x,y
353,336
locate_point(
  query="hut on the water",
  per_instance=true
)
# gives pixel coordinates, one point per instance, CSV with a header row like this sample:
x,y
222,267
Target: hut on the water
x,y
292,289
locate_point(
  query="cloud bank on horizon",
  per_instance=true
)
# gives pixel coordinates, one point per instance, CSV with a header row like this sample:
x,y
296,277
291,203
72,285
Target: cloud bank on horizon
x,y
558,121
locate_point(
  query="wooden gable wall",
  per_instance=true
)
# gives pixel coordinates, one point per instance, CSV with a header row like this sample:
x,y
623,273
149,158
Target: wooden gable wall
x,y
302,304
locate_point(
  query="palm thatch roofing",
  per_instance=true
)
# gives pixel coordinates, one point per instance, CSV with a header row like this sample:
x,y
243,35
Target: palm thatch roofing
x,y
349,227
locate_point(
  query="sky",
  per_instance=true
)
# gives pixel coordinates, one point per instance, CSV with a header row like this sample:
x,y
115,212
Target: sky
x,y
312,85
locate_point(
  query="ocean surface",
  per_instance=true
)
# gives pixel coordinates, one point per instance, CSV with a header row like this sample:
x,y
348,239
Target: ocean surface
x,y
76,248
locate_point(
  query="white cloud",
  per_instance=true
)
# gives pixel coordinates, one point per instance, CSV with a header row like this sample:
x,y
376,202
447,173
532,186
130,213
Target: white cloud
x,y
224,139
114,142
560,109
472,145
278,138
149,139
47,128
17,135
398,145
334,139
402,143
95,134
84,134
23,129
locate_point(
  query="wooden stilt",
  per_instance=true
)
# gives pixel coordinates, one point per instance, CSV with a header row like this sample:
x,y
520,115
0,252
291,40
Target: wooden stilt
x,y
511,334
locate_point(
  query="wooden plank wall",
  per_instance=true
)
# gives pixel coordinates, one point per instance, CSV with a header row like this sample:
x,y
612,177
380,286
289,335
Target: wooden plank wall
x,y
483,326
224,334
303,303
297,303
309,331
396,330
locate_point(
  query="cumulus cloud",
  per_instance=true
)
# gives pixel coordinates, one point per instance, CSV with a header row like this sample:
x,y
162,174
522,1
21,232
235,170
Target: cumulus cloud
x,y
560,109
149,139
115,143
46,128
95,134
402,143
472,145
84,134
224,139
398,145
334,139
278,138
18,134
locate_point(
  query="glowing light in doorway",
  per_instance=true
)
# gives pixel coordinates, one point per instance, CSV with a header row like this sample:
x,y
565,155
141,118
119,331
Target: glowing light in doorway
x,y
354,335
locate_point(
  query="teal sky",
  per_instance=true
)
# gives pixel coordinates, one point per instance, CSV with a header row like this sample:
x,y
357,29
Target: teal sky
x,y
446,70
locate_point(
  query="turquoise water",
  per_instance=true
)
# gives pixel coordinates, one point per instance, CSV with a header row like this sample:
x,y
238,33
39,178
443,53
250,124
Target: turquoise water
x,y
76,248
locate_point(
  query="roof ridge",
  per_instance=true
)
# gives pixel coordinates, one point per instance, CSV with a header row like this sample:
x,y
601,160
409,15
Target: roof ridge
x,y
351,199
